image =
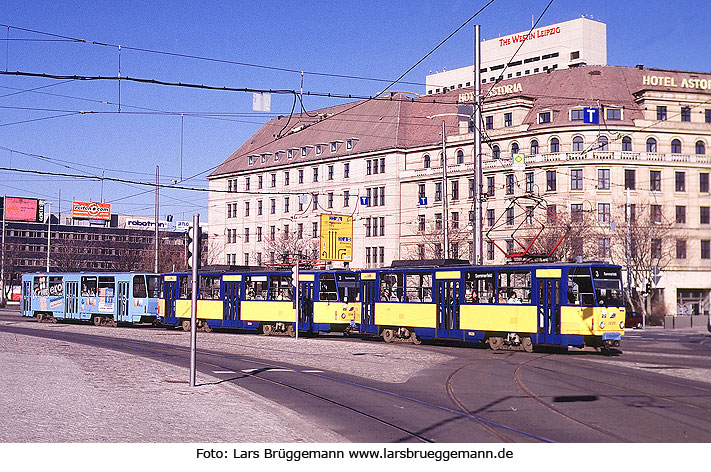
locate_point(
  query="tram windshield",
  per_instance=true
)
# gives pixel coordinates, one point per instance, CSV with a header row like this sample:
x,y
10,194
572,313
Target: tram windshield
x,y
608,286
154,286
348,287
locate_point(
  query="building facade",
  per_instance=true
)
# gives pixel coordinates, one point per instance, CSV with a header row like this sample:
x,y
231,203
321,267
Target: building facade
x,y
634,182
563,45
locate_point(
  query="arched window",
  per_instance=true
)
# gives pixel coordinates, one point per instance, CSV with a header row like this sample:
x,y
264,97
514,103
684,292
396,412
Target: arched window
x,y
427,161
627,144
441,160
460,157
534,147
676,146
700,147
514,148
496,152
602,143
651,145
578,144
555,145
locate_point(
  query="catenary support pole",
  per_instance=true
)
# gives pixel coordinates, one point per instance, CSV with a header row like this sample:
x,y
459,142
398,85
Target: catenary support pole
x,y
193,304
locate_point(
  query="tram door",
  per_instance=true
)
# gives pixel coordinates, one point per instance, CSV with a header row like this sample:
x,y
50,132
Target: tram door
x,y
369,295
170,293
549,311
447,292
233,296
306,304
26,296
71,298
122,302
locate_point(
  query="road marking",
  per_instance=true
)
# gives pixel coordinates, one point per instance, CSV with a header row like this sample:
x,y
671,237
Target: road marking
x,y
312,371
251,371
224,372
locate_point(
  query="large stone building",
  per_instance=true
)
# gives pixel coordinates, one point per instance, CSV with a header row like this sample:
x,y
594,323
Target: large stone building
x,y
650,142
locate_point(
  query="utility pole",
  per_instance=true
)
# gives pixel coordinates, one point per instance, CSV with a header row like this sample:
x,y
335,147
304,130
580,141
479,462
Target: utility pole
x,y
445,200
193,304
49,230
155,266
2,265
478,241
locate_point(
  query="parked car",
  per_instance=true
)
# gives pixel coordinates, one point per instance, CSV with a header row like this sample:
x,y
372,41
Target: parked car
x,y
634,320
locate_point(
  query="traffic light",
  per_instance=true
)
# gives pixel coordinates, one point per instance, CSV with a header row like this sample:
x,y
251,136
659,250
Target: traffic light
x,y
295,275
193,242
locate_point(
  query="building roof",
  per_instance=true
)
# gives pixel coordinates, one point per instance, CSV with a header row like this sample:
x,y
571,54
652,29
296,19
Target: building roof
x,y
400,122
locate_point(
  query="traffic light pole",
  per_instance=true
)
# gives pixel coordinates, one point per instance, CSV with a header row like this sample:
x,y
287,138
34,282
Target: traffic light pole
x,y
295,282
193,304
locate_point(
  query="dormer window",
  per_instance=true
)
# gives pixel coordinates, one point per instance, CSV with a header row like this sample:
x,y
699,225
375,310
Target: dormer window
x,y
544,117
319,149
349,144
304,151
290,154
264,158
252,159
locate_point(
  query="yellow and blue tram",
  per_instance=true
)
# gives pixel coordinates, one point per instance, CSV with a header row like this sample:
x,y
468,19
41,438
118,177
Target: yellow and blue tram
x,y
262,301
508,307
103,298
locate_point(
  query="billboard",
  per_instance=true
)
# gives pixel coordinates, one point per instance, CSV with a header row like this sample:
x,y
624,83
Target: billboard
x,y
145,223
91,210
336,238
23,209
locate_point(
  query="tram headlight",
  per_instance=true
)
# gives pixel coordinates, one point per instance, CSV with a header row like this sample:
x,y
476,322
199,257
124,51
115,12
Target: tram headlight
x,y
622,324
602,325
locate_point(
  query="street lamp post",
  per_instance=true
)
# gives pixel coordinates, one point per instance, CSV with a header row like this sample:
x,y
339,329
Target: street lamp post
x,y
49,230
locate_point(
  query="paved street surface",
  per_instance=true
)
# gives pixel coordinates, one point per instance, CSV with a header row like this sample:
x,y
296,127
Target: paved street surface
x,y
80,383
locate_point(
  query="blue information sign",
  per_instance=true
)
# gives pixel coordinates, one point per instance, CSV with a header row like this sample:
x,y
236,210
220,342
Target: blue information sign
x,y
364,201
423,200
591,115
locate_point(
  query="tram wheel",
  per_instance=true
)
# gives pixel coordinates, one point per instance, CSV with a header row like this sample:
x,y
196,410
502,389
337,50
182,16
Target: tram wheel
x,y
388,335
496,343
527,344
96,320
186,325
290,331
267,329
206,327
414,339
40,317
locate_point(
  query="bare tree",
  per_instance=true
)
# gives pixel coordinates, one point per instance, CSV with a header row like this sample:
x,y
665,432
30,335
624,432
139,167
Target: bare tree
x,y
429,243
286,246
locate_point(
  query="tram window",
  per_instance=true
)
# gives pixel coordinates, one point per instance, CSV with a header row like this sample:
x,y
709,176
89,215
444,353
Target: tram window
x,y
257,287
608,286
209,287
154,286
479,287
418,288
185,287
348,287
327,287
88,286
280,287
139,286
106,286
391,289
516,283
40,287
580,287
56,286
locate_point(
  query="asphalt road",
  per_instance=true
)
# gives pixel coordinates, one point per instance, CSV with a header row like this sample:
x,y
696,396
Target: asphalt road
x,y
657,388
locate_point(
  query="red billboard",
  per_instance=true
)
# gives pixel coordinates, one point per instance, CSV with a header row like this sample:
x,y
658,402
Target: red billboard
x,y
92,210
21,209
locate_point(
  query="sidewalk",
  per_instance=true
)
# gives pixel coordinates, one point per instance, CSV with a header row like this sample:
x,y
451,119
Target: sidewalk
x,y
64,392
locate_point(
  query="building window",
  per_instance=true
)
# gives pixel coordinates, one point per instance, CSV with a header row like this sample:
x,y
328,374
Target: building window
x,y
349,144
651,145
438,191
246,235
315,201
259,234
472,189
510,216
550,181
700,148
460,158
529,182
346,170
420,222
680,214
685,114
272,182
555,145
656,248
301,176
602,143
577,114
603,179
455,189
514,148
300,231
578,144
427,161
704,215
369,167
661,113
603,213
509,184
544,117
246,209
315,179
455,219
705,249
490,250
603,245
576,179
627,144
551,214
630,179
656,213
272,206
576,212
259,207
676,146
272,233
286,204
346,198
681,249
490,186
330,200
421,251
438,220
490,217
421,190
508,119
314,229
613,114
260,182
534,147
489,122
655,180
704,182
680,181
330,172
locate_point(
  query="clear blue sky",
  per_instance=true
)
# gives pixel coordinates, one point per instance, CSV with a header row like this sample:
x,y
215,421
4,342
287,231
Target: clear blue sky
x,y
373,39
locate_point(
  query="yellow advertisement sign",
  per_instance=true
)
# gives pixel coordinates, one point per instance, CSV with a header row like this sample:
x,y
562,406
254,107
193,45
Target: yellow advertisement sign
x,y
336,238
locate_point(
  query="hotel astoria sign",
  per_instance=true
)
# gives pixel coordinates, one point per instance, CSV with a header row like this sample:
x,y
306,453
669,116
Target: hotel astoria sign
x,y
493,92
669,81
